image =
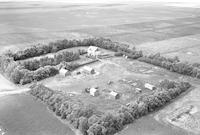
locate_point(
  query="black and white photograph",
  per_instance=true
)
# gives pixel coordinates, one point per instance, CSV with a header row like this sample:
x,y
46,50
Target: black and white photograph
x,y
99,67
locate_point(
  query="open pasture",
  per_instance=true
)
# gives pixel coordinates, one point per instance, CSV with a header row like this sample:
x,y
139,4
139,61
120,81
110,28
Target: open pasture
x,y
138,23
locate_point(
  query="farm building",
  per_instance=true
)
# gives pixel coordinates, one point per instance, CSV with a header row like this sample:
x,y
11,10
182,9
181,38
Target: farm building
x,y
133,84
110,82
115,95
126,57
88,70
94,91
93,51
149,86
138,90
64,72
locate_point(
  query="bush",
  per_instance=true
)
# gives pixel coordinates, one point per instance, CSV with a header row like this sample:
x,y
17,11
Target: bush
x,y
17,74
69,65
168,84
118,54
93,119
37,75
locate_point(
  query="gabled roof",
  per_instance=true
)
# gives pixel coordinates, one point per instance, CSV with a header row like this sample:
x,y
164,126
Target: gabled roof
x,y
62,70
93,48
88,68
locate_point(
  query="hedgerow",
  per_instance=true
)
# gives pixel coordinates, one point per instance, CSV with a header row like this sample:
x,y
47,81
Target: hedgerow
x,y
87,118
58,45
34,64
30,70
173,64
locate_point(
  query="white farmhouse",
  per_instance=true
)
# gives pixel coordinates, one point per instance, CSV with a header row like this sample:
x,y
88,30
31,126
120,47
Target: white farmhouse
x,y
149,86
50,56
64,72
94,92
93,51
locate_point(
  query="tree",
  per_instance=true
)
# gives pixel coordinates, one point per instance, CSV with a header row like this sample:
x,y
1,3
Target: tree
x,y
17,74
96,129
111,123
167,84
83,125
93,119
27,78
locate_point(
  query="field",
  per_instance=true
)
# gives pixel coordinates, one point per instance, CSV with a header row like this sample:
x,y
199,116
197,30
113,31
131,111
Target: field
x,y
138,24
152,28
22,114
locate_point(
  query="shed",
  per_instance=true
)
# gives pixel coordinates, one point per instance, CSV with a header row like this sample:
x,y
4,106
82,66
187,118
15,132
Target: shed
x,y
115,94
64,72
94,92
126,57
134,84
138,90
88,70
110,82
149,86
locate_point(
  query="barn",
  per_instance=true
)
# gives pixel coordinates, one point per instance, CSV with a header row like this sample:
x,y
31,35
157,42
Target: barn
x,y
149,86
64,72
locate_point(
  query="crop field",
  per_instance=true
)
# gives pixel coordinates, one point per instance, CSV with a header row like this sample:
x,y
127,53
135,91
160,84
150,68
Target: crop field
x,y
148,26
186,48
152,28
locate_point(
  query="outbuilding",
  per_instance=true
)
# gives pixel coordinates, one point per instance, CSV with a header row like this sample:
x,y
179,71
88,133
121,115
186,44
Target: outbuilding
x,y
94,92
138,90
149,86
133,84
64,72
114,94
88,70
126,57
